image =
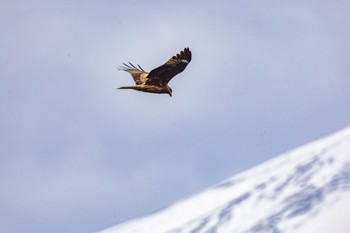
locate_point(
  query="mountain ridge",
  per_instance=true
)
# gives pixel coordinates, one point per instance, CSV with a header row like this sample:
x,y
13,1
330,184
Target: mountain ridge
x,y
280,195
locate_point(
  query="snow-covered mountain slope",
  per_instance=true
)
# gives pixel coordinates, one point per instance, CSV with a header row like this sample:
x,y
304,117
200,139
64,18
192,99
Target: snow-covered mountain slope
x,y
306,190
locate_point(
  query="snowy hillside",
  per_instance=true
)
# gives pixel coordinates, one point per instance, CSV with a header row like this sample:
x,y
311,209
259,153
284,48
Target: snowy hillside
x,y
303,191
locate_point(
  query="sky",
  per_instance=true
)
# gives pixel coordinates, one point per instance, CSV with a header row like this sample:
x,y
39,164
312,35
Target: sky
x,y
77,155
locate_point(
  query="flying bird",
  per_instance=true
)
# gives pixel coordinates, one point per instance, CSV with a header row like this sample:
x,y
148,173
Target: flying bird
x,y
157,80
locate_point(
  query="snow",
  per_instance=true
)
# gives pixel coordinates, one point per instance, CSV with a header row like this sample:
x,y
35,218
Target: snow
x,y
335,218
302,191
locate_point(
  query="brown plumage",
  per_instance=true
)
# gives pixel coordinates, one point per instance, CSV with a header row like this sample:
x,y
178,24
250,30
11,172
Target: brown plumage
x,y
157,80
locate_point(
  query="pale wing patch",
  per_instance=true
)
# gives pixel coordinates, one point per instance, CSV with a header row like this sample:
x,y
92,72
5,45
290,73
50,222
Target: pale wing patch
x,y
143,77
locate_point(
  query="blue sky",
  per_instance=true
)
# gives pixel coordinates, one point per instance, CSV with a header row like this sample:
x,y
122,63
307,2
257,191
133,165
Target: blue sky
x,y
78,155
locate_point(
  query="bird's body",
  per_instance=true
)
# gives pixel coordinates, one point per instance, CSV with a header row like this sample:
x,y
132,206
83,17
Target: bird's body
x,y
157,80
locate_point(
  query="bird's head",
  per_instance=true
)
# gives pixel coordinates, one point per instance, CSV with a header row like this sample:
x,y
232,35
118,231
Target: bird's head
x,y
169,91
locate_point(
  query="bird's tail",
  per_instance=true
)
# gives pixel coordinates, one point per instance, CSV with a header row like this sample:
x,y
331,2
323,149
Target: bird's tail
x,y
130,87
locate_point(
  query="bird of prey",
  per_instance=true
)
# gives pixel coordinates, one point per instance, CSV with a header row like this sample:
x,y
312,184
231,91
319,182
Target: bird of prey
x,y
157,80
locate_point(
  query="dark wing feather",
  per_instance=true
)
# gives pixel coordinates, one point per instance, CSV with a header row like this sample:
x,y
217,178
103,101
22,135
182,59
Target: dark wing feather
x,y
162,75
134,71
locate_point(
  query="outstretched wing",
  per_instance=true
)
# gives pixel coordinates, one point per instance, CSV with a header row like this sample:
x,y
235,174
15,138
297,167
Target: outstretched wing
x,y
162,75
137,73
